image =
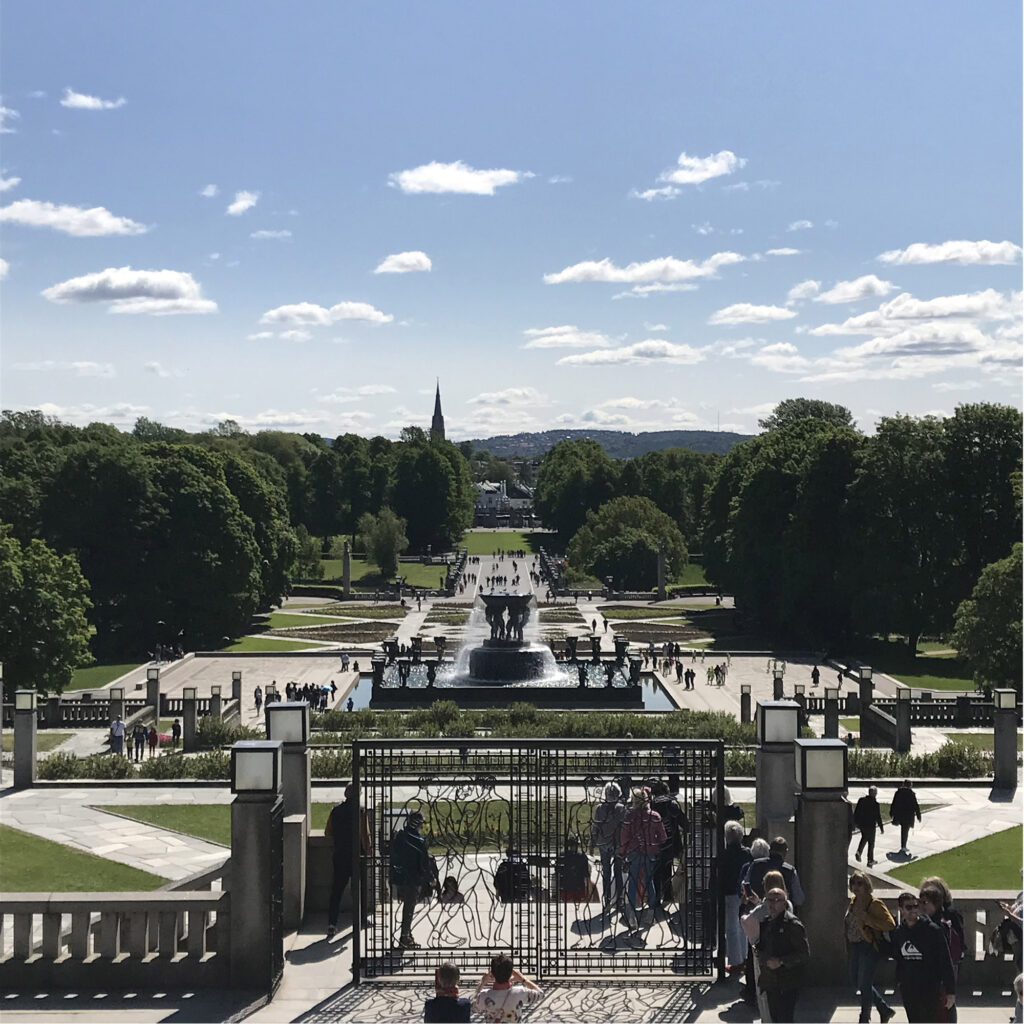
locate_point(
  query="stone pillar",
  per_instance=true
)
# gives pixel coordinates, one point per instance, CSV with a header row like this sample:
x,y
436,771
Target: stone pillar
x,y
297,810
902,715
25,740
53,712
774,788
346,570
1004,722
831,718
745,702
257,927
153,690
777,685
820,855
216,705
963,712
188,722
117,705
236,685
661,572
867,693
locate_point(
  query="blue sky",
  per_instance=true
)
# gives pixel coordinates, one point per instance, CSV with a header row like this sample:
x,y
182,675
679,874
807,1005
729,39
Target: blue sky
x,y
575,214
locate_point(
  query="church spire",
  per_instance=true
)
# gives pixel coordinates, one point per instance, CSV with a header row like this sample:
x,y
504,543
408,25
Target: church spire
x,y
437,423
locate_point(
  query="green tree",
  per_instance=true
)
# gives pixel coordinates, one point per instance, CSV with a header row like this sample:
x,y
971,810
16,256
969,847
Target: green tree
x,y
385,539
307,564
987,630
622,539
576,477
44,631
790,410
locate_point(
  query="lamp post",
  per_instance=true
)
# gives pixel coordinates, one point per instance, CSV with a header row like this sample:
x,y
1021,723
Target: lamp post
x,y
288,723
745,702
1,721
116,702
867,687
257,836
832,712
188,719
778,725
778,675
236,685
216,707
822,838
1004,724
903,708
153,690
24,738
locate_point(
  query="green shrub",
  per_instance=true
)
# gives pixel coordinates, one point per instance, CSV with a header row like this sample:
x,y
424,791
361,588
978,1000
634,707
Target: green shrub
x,y
213,732
959,761
332,764
740,763
214,764
169,766
58,766
105,766
519,714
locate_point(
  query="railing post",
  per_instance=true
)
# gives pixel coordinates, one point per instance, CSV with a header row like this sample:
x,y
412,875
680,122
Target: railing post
x,y
188,719
25,728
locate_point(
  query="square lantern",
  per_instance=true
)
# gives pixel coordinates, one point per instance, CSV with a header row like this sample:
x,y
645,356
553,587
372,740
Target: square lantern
x,y
745,688
236,676
903,693
865,673
799,690
1004,700
117,693
188,693
820,765
24,700
215,690
778,671
256,766
288,721
831,693
777,721
152,673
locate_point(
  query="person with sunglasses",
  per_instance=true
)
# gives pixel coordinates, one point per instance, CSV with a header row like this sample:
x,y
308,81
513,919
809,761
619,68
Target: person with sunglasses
x,y
782,952
924,970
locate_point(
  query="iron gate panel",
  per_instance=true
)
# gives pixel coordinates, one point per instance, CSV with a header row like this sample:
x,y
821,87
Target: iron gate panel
x,y
519,801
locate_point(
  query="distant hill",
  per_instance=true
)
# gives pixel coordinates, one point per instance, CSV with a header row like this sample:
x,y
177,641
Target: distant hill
x,y
619,444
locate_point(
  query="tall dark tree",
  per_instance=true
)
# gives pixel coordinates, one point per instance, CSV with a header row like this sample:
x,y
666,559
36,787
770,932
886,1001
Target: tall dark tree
x,y
790,410
576,477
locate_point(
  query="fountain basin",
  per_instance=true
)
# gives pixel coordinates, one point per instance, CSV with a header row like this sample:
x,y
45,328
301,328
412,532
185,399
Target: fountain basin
x,y
505,661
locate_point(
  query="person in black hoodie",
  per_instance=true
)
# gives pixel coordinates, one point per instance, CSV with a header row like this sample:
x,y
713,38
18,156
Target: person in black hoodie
x,y
447,1006
903,811
923,966
782,953
867,816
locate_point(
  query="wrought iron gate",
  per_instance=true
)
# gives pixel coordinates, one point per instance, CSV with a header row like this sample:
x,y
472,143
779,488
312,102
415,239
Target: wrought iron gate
x,y
502,817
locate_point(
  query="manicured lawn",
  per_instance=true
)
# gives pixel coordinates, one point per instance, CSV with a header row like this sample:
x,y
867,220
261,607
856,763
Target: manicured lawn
x,y
484,542
852,724
691,576
204,821
280,620
45,740
95,676
926,671
980,740
992,862
619,612
260,643
363,611
31,864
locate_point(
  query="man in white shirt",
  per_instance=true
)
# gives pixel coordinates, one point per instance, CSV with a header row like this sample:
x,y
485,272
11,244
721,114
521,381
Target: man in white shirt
x,y
503,992
117,736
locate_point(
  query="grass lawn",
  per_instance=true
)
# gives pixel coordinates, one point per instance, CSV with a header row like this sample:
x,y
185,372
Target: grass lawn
x,y
852,724
926,671
279,620
31,864
484,542
45,740
260,643
95,676
978,740
619,612
691,576
993,859
362,611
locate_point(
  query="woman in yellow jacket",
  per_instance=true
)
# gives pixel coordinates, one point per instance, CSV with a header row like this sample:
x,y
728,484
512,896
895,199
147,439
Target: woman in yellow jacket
x,y
867,919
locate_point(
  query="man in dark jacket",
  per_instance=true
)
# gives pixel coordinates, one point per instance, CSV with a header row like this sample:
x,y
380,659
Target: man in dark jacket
x,y
867,816
411,871
923,965
903,811
340,824
782,952
776,861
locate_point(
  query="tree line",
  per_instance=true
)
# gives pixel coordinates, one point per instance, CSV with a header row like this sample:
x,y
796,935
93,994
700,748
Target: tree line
x,y
118,541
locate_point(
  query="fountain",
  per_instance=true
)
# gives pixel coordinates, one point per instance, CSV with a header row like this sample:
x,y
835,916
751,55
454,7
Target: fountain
x,y
501,660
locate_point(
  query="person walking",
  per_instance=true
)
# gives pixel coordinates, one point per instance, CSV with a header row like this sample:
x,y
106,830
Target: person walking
x,y
924,969
782,952
175,733
139,740
257,698
411,871
731,862
605,829
117,733
904,810
867,816
153,738
937,903
867,919
776,861
642,837
340,823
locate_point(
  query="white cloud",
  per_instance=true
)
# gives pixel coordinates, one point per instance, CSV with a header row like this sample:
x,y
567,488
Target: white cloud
x,y
158,292
209,191
157,369
963,252
73,220
4,268
454,177
565,336
803,290
655,327
667,269
651,194
310,314
703,229
79,101
295,334
780,357
559,179
243,201
800,225
851,291
354,394
81,368
404,263
7,114
746,313
785,251
651,350
264,233
956,385
510,396
8,183
121,414
259,336
641,291
692,170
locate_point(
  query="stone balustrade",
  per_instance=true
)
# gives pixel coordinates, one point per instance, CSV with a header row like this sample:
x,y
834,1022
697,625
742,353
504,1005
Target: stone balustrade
x,y
114,940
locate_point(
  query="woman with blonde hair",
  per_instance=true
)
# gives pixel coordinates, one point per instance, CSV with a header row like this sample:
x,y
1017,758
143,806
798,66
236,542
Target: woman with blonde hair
x,y
867,919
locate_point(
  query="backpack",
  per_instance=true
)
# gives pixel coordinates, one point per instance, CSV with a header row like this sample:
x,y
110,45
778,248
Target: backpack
x,y
512,881
953,925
